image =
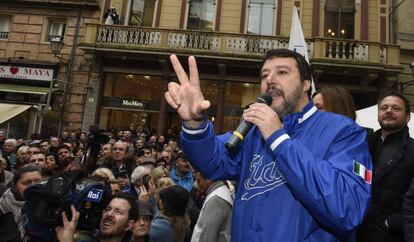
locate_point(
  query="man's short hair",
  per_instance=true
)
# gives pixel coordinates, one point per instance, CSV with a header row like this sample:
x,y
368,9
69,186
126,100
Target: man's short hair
x,y
62,147
396,94
133,211
302,64
122,143
44,140
23,170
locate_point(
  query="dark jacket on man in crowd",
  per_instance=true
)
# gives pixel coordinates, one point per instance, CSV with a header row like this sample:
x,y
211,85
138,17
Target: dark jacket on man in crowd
x,y
393,162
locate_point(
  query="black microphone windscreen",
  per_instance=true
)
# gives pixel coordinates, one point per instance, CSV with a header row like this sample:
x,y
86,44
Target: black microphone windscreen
x,y
265,98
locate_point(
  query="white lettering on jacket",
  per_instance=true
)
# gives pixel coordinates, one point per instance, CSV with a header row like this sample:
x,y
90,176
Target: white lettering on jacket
x,y
264,176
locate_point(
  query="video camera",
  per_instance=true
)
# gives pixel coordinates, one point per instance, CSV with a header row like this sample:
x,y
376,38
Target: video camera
x,y
45,203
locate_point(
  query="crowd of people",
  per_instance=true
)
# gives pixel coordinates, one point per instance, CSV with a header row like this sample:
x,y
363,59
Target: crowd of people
x,y
157,195
304,172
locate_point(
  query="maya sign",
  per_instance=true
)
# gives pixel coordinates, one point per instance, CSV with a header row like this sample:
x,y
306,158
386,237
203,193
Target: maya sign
x,y
26,73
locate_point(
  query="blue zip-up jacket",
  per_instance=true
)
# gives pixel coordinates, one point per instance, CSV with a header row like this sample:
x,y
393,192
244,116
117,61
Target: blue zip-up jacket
x,y
301,184
186,181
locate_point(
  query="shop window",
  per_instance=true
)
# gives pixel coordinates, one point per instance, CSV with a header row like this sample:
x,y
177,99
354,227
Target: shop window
x,y
340,19
142,13
238,97
201,14
5,22
56,29
261,15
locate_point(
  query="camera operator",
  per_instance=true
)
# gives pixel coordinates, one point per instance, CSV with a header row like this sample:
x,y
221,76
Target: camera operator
x,y
116,225
13,198
111,16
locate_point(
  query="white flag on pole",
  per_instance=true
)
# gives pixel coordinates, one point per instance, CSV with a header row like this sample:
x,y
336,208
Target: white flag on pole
x,y
297,40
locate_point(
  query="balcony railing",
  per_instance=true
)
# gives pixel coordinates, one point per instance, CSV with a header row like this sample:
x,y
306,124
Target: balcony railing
x,y
4,35
218,43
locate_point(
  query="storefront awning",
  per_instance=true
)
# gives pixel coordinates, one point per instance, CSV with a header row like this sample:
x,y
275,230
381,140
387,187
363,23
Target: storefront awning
x,y
8,111
23,89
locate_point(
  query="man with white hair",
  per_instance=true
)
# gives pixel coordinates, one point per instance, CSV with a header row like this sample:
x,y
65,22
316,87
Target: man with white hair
x,y
9,152
139,186
22,156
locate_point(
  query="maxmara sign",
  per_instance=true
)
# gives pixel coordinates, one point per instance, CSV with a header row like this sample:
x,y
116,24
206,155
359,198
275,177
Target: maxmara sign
x,y
26,73
132,103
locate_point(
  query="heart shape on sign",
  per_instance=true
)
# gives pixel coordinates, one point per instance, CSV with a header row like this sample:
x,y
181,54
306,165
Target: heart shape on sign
x,y
14,70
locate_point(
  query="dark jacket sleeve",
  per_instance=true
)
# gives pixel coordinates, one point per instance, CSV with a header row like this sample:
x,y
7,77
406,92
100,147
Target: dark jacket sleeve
x,y
408,213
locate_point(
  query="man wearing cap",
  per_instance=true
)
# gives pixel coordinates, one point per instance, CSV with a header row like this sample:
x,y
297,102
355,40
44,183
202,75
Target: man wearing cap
x,y
149,162
181,173
303,175
142,224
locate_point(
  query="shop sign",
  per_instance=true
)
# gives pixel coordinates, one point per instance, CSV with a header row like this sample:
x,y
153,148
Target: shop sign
x,y
132,103
26,73
116,102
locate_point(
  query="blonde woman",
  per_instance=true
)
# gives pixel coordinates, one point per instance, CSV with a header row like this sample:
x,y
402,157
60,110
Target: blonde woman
x,y
104,173
157,173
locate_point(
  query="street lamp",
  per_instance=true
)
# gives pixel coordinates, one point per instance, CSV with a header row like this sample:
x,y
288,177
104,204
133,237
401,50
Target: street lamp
x,y
56,45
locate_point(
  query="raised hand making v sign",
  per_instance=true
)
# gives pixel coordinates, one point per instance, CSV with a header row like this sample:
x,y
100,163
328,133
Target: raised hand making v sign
x,y
187,97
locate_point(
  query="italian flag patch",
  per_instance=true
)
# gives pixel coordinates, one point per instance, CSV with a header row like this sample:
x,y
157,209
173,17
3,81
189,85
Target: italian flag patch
x,y
362,171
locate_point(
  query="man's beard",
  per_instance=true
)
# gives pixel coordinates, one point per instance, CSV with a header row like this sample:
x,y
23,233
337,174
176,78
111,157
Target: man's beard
x,y
391,126
290,102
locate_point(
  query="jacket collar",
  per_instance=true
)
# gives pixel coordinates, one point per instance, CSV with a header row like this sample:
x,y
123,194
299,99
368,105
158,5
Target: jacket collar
x,y
291,121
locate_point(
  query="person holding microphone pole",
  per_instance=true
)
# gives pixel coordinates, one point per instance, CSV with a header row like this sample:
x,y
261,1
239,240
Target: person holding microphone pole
x,y
303,175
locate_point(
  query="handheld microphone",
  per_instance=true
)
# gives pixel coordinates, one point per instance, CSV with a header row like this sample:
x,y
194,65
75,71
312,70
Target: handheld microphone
x,y
244,126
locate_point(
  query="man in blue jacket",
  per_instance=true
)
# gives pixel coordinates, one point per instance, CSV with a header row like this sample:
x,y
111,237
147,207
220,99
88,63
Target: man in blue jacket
x,y
303,175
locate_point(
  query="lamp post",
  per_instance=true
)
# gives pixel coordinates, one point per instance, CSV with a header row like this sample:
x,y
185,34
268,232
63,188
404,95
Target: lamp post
x,y
56,46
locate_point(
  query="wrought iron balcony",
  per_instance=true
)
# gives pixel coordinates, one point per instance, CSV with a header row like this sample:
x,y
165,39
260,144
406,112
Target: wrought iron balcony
x,y
232,45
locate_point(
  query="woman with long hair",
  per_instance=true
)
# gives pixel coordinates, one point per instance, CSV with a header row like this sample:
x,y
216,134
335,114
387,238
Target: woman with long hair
x,y
172,223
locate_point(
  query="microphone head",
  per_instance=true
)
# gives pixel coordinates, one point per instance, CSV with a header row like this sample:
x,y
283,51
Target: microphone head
x,y
265,98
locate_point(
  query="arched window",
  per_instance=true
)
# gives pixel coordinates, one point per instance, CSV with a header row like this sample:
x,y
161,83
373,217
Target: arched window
x,y
339,19
201,14
261,17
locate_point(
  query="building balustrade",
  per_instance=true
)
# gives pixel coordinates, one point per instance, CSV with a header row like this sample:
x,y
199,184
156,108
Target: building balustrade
x,y
213,43
4,35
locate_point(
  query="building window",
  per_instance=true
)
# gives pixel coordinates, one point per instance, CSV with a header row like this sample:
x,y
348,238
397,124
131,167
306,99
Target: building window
x,y
5,22
56,29
340,19
142,13
261,17
201,14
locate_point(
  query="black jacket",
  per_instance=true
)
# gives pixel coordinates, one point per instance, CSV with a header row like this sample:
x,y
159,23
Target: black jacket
x,y
393,162
408,213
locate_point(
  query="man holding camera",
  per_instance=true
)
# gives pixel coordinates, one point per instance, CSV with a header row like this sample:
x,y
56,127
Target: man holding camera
x,y
111,16
117,222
